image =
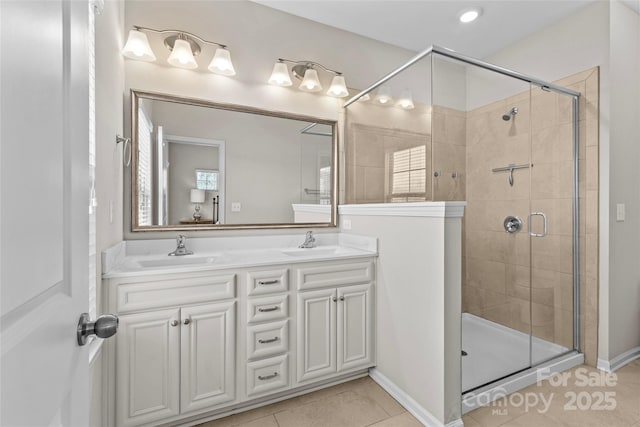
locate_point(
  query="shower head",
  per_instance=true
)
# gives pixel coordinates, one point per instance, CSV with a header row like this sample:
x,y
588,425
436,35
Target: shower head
x,y
510,114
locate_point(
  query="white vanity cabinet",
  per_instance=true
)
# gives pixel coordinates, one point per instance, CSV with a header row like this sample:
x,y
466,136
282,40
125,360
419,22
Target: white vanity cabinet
x,y
335,319
208,343
174,361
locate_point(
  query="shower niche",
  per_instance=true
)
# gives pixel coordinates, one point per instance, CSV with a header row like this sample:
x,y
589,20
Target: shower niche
x,y
507,144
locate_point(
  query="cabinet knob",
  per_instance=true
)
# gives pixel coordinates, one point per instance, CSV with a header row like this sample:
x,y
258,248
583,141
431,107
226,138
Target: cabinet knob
x,y
174,323
187,321
341,298
334,299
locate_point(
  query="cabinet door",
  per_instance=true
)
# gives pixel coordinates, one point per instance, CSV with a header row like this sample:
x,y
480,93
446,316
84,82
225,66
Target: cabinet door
x,y
148,367
355,327
316,334
208,355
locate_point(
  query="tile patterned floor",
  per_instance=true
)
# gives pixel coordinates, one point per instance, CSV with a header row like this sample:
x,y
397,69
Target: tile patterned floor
x,y
357,403
586,397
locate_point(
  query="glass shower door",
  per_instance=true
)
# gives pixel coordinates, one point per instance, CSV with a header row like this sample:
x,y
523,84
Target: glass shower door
x,y
552,230
496,179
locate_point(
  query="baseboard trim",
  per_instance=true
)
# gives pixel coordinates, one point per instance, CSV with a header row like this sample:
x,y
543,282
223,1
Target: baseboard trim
x,y
413,407
619,361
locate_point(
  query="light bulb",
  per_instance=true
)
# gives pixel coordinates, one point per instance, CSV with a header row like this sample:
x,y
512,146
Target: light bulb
x,y
310,83
182,56
338,87
280,75
137,47
221,63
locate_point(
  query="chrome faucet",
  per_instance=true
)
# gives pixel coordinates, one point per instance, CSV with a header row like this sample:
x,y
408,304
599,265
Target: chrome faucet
x,y
309,241
181,249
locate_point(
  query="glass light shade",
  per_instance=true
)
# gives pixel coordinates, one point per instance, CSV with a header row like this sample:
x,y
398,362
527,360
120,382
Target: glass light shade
x,y
338,87
197,196
310,82
280,75
182,56
384,96
221,63
406,100
364,98
137,47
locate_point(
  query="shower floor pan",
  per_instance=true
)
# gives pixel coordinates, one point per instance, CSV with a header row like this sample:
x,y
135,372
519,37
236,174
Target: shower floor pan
x,y
495,351
497,360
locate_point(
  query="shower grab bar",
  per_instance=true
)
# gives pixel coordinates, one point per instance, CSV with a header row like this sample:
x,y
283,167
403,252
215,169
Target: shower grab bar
x,y
510,169
544,224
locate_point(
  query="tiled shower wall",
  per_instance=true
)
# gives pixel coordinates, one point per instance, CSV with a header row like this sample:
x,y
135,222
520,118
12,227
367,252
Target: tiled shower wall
x,y
521,283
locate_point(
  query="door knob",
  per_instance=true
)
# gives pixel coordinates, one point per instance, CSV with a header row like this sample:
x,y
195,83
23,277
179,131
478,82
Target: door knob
x,y
104,327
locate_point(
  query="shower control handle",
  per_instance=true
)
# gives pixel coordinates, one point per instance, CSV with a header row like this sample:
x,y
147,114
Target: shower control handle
x,y
512,224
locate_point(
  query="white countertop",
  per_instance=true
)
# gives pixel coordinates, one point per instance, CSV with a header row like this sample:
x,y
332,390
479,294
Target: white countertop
x,y
149,257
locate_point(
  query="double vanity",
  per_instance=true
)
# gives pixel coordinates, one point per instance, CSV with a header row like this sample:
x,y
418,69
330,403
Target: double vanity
x,y
239,323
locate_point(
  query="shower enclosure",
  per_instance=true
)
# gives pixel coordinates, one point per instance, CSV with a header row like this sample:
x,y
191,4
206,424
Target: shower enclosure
x,y
446,127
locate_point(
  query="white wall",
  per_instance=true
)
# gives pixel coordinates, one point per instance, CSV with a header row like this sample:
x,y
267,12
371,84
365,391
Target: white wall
x,y
418,294
256,36
109,166
603,34
624,125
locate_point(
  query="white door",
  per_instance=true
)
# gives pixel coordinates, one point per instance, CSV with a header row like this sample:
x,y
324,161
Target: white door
x,y
148,367
208,355
355,327
44,181
316,333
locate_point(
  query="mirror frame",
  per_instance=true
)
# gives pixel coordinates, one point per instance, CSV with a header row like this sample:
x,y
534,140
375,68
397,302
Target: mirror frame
x,y
136,95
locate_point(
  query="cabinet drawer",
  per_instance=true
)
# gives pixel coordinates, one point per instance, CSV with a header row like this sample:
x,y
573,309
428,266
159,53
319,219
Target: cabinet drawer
x,y
334,275
268,339
267,375
174,292
267,308
267,282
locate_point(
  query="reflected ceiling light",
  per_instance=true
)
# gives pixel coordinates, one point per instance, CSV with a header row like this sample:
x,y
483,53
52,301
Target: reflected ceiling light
x,y
469,15
307,72
364,98
406,100
383,96
184,47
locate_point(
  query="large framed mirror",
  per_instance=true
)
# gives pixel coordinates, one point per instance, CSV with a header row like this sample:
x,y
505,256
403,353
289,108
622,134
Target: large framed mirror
x,y
202,165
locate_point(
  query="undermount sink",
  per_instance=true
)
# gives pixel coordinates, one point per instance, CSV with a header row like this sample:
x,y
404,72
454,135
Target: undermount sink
x,y
175,261
309,251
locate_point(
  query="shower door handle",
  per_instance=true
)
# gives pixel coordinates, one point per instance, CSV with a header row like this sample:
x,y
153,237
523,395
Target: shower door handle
x,y
544,224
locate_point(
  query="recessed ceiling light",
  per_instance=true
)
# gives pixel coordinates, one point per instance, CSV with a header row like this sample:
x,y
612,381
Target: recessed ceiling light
x,y
469,15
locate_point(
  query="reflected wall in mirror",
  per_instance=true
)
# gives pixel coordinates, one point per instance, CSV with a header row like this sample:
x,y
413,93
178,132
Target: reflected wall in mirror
x,y
201,165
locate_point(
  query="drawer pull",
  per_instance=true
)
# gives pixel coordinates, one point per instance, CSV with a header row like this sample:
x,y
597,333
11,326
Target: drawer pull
x,y
266,310
274,339
267,377
268,282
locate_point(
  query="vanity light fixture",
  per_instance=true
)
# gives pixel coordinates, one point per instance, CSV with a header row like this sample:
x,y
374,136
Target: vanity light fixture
x,y
406,100
307,72
184,47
